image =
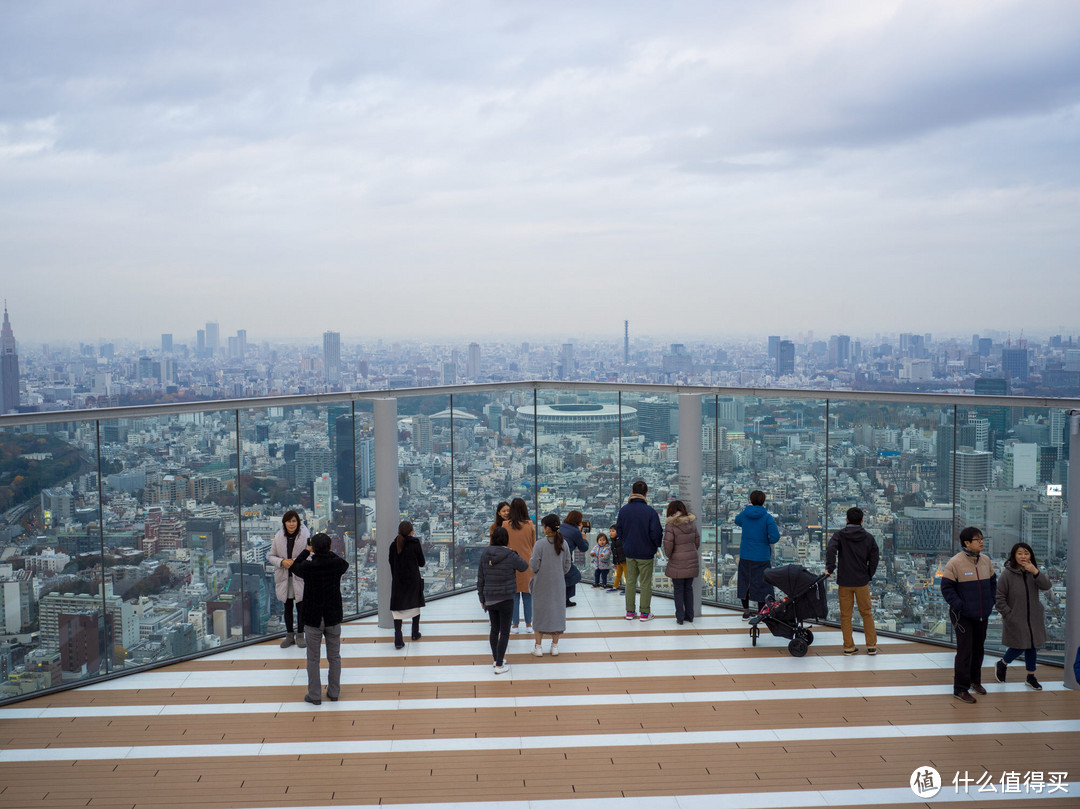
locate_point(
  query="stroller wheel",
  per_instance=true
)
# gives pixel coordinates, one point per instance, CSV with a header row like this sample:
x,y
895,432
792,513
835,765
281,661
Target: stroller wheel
x,y
806,635
798,647
754,632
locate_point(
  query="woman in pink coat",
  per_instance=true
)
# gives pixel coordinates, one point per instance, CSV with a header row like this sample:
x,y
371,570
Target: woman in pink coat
x,y
289,543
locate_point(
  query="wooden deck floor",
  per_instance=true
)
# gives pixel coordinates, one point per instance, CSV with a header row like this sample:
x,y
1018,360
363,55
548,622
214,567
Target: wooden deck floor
x,y
683,716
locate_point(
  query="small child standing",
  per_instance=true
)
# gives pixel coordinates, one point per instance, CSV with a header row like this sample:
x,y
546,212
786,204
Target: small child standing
x,y
601,555
618,560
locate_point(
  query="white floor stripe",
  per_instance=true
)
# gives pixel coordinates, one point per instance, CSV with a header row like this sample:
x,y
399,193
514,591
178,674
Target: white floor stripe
x,y
522,669
569,701
744,800
430,745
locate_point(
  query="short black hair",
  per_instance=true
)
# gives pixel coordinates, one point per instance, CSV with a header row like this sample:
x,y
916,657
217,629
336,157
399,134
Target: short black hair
x,y
970,534
639,487
500,536
854,515
320,543
757,497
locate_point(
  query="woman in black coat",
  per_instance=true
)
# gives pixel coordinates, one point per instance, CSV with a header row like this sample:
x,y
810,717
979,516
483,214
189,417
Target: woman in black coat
x,y
406,584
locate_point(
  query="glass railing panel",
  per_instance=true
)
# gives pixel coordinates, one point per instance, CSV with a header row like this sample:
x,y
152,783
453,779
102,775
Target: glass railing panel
x,y
58,625
577,448
709,520
299,459
493,463
892,461
777,446
1023,498
362,555
171,534
650,451
425,474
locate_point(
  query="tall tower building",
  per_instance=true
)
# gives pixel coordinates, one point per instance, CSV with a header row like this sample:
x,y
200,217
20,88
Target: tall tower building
x,y
1014,363
9,368
166,344
473,370
213,338
626,342
331,346
785,357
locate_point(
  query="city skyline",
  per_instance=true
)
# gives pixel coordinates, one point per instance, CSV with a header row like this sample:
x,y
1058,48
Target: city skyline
x,y
840,167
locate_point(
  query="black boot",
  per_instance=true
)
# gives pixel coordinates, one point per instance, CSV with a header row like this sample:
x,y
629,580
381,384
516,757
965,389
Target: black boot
x,y
399,642
416,627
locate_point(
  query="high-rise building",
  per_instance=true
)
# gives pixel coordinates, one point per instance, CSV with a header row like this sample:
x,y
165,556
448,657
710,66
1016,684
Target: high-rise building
x,y
166,344
1014,363
331,343
473,370
973,469
626,342
213,338
421,433
323,498
774,346
241,336
9,368
785,358
840,351
200,342
566,361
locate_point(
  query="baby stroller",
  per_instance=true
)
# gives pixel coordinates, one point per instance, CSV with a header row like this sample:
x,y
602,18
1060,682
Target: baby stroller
x,y
804,598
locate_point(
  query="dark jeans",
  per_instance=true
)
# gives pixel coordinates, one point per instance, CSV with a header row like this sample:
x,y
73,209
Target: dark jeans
x,y
684,599
970,638
1030,657
599,577
299,615
499,615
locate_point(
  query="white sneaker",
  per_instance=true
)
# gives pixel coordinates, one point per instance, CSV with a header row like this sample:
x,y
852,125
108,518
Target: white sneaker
x,y
554,650
515,629
537,651
502,669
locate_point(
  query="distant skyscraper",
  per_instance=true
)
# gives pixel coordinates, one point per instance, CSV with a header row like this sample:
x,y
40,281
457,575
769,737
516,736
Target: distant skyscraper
x,y
473,371
241,336
626,342
213,338
331,346
421,433
322,497
566,361
200,342
9,368
1014,363
774,346
785,357
166,344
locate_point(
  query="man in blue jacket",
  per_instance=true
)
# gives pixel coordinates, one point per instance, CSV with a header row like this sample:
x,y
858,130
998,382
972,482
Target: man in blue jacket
x,y
638,525
759,533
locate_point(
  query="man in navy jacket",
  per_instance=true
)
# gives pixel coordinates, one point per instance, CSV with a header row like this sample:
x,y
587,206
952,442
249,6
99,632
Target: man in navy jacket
x,y
638,525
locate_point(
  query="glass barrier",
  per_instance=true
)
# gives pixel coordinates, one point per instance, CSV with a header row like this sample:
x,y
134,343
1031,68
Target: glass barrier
x,y
173,560
893,462
60,622
171,535
425,474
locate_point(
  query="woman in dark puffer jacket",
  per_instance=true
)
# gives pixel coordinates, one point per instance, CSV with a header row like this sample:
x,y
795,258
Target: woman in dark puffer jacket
x,y
496,584
1023,623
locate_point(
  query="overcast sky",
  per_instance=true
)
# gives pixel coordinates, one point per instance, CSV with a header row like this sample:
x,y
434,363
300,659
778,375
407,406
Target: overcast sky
x,y
544,168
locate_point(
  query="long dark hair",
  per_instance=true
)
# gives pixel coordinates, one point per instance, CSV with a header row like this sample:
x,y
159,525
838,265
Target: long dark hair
x,y
552,521
1026,547
519,512
290,515
498,508
404,530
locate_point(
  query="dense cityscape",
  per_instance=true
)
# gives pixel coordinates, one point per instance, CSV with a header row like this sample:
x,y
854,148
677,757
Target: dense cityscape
x,y
128,541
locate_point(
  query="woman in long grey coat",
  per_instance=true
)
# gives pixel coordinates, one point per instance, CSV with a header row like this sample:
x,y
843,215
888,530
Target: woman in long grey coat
x,y
1023,622
288,544
550,562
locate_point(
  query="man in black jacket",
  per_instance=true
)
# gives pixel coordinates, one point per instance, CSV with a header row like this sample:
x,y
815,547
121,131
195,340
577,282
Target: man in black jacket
x,y
858,561
321,570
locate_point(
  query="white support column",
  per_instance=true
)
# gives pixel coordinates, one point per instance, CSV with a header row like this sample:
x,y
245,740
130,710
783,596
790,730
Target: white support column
x,y
387,500
1072,570
690,468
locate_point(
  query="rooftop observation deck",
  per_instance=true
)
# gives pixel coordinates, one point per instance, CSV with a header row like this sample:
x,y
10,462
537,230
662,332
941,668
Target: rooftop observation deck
x,y
630,714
